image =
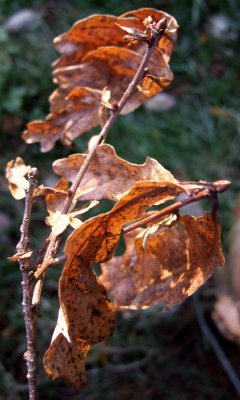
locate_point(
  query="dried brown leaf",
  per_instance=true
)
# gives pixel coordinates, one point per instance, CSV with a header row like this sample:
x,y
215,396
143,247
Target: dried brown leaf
x,y
141,16
102,30
65,359
108,175
55,200
79,113
174,264
95,56
16,170
86,35
87,313
114,68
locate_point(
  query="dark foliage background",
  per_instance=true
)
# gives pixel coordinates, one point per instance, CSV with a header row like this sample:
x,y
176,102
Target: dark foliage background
x,y
151,354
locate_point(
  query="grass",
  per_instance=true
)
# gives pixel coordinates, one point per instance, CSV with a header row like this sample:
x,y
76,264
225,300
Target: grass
x,y
198,139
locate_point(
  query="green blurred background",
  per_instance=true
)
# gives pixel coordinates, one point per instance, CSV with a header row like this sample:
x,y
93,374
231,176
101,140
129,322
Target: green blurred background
x,y
194,132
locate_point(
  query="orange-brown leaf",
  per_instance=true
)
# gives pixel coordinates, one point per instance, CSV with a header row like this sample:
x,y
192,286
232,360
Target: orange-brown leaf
x,y
64,358
79,113
94,56
86,35
114,67
173,264
108,175
87,314
169,38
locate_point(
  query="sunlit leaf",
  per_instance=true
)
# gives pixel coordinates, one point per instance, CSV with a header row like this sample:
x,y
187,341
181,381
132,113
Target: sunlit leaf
x,y
16,170
87,313
172,266
108,175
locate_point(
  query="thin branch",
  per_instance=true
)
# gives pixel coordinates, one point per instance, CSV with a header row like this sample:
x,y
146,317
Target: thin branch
x,y
211,192
29,312
150,46
44,267
224,361
116,111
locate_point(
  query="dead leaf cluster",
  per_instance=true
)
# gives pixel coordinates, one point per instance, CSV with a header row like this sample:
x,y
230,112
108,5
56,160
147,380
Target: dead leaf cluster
x,y
173,264
95,57
166,261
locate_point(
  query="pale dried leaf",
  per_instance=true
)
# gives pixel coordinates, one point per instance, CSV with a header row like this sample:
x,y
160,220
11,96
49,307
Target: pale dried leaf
x,y
56,199
20,256
108,175
16,170
59,222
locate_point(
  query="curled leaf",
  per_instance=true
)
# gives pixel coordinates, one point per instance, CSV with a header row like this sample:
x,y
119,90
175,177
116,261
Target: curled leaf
x,y
87,313
96,57
173,265
79,115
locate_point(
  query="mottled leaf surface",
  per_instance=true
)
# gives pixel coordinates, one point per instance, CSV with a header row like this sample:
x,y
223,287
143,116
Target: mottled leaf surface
x,y
95,56
108,175
87,315
172,265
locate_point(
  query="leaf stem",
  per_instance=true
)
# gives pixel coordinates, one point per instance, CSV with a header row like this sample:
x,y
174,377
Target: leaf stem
x,y
30,313
209,192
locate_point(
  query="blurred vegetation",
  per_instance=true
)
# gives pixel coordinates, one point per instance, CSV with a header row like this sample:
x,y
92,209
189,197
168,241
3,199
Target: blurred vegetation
x,y
197,139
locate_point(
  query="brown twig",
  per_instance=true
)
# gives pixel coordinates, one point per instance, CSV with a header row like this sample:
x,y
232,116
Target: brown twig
x,y
114,113
44,267
29,312
210,192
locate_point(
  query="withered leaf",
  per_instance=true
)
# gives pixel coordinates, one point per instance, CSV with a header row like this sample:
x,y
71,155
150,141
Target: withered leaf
x,y
94,56
65,359
80,114
86,35
108,175
114,67
55,202
103,30
88,315
173,265
16,170
142,15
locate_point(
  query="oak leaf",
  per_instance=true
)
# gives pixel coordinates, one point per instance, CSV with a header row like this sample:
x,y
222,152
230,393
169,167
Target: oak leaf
x,y
108,175
114,67
80,114
87,315
103,30
172,266
94,57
